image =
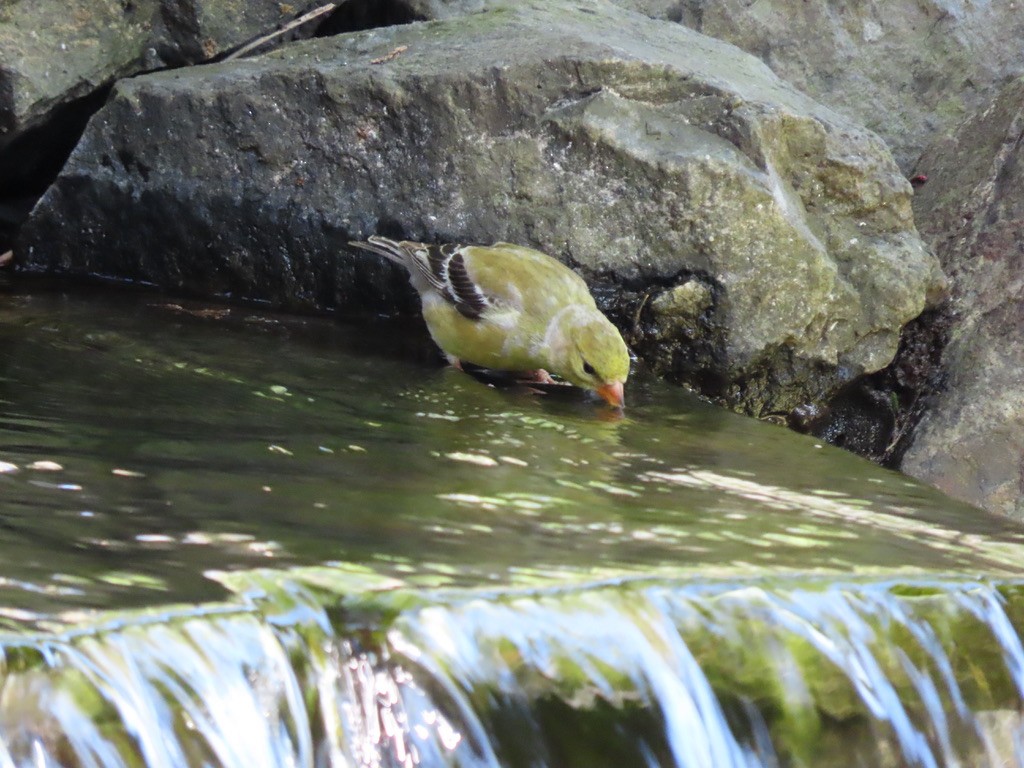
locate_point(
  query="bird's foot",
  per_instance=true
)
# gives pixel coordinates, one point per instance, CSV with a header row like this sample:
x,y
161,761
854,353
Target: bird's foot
x,y
455,363
539,376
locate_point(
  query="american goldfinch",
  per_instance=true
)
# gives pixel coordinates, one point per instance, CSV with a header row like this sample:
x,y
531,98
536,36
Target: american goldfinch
x,y
512,308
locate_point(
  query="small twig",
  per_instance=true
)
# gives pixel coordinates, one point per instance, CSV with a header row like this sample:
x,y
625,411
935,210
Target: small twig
x,y
389,56
298,22
636,315
891,448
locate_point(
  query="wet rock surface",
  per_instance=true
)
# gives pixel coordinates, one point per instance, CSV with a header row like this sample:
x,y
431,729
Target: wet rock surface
x,y
971,209
748,240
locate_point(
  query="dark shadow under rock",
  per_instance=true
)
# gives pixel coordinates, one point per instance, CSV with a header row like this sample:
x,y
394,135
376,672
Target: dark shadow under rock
x,y
875,416
30,163
357,15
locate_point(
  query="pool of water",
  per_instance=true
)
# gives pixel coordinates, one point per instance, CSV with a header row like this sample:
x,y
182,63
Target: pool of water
x,y
149,443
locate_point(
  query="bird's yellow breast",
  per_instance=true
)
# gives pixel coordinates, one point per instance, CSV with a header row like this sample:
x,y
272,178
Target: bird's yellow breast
x,y
504,343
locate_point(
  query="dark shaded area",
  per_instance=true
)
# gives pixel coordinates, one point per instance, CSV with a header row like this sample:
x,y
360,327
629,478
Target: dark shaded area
x,y
181,44
29,163
355,16
916,375
550,731
875,415
7,119
860,418
690,352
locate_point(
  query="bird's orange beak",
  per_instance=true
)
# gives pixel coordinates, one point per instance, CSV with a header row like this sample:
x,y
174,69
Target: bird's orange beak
x,y
612,394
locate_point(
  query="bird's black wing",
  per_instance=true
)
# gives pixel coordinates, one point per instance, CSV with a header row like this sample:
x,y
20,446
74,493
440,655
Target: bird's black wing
x,y
444,267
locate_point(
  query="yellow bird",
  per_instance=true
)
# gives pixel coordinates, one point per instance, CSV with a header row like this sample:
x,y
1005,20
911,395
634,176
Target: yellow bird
x,y
512,308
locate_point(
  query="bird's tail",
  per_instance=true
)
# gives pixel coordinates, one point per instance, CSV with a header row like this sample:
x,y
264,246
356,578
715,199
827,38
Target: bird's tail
x,y
389,249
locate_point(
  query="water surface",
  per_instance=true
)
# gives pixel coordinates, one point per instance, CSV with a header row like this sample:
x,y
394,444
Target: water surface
x,y
151,443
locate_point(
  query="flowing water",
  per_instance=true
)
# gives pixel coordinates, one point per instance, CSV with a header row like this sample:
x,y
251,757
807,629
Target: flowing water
x,y
237,538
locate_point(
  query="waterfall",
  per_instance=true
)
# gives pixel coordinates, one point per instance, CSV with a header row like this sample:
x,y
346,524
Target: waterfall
x,y
908,672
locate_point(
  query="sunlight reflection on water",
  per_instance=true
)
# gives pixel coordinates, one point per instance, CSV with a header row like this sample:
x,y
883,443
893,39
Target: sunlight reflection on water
x,y
145,446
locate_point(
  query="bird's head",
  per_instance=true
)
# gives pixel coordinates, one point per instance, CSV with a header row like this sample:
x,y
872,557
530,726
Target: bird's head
x,y
595,357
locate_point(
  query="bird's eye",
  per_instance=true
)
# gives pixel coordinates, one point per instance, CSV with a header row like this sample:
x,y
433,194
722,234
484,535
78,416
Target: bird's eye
x,y
588,368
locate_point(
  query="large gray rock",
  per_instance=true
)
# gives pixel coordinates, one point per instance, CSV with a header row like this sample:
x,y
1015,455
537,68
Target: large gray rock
x,y
57,60
55,51
971,444
747,239
908,69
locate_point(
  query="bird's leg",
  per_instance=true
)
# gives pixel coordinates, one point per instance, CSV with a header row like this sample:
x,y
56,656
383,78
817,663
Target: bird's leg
x,y
455,363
